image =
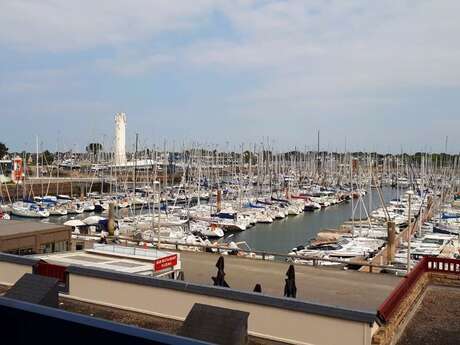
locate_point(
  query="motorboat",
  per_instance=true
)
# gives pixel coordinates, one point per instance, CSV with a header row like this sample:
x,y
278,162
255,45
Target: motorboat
x,y
312,206
206,229
87,206
74,208
446,229
56,210
4,215
101,206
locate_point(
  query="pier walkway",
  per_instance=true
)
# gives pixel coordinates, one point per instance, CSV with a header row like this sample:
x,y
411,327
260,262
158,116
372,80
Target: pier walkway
x,y
347,289
382,257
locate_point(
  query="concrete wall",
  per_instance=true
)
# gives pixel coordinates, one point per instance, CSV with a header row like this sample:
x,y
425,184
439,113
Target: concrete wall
x,y
16,192
273,318
11,272
268,322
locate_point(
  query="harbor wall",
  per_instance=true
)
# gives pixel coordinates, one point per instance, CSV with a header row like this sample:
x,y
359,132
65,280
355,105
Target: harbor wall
x,y
19,191
276,319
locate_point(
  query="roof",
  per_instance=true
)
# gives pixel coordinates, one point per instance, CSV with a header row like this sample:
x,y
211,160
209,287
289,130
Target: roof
x,y
321,285
228,326
17,227
34,288
112,263
436,320
136,253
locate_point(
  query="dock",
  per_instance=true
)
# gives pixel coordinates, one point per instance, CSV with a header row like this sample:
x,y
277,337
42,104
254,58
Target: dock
x,y
382,257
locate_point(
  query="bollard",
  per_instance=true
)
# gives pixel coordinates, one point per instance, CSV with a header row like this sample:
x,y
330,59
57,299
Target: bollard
x,y
219,200
391,246
111,220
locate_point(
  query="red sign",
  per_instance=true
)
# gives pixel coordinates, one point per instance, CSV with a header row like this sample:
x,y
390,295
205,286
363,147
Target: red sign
x,y
166,262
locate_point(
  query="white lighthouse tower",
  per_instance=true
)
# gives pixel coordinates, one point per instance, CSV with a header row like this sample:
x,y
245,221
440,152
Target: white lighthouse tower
x,y
120,138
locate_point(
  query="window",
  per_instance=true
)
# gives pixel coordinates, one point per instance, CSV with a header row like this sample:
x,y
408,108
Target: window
x,y
46,248
60,246
21,251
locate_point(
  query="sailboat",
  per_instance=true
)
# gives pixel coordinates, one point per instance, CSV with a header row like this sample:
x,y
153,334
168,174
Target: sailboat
x,y
30,210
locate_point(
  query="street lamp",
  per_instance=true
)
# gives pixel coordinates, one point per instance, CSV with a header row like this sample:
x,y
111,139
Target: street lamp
x,y
409,235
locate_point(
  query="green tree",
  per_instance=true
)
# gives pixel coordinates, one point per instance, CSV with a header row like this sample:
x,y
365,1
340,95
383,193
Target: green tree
x,y
48,157
3,150
93,149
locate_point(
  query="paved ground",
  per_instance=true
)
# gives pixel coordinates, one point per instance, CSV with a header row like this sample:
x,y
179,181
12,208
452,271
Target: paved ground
x,y
332,286
437,321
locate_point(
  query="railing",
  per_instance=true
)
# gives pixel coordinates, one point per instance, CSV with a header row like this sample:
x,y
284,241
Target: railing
x,y
389,306
442,265
253,254
427,264
125,250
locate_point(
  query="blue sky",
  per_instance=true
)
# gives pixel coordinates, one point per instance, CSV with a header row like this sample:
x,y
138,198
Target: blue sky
x,y
383,75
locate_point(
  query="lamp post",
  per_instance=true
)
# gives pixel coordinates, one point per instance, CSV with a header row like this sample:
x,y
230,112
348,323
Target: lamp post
x,y
409,235
156,204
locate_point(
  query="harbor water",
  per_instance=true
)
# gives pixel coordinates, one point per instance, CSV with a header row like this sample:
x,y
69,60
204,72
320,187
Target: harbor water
x,y
283,235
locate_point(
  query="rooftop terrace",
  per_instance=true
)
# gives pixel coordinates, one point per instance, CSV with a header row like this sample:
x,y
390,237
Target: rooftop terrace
x,y
437,320
346,289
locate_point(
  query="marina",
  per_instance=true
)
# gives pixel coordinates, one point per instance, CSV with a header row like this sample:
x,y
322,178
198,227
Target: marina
x,y
229,172
310,207
279,236
362,236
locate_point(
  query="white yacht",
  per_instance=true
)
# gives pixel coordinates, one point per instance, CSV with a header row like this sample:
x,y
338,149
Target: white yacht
x,y
30,210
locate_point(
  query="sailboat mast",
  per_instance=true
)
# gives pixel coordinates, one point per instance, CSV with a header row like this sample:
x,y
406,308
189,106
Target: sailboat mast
x,y
36,162
135,163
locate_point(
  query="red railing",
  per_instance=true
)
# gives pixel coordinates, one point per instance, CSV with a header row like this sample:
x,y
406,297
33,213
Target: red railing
x,y
54,271
427,264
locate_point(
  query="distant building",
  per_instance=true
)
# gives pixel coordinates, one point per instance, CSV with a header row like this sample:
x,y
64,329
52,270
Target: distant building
x,y
11,170
23,238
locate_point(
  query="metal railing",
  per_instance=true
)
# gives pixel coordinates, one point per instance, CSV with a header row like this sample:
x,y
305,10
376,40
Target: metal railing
x,y
253,254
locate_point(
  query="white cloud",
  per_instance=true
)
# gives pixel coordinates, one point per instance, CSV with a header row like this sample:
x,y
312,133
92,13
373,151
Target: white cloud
x,y
131,65
310,59
72,25
343,43
39,81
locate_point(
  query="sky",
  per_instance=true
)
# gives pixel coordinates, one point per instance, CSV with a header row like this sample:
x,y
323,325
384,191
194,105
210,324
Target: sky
x,y
369,75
